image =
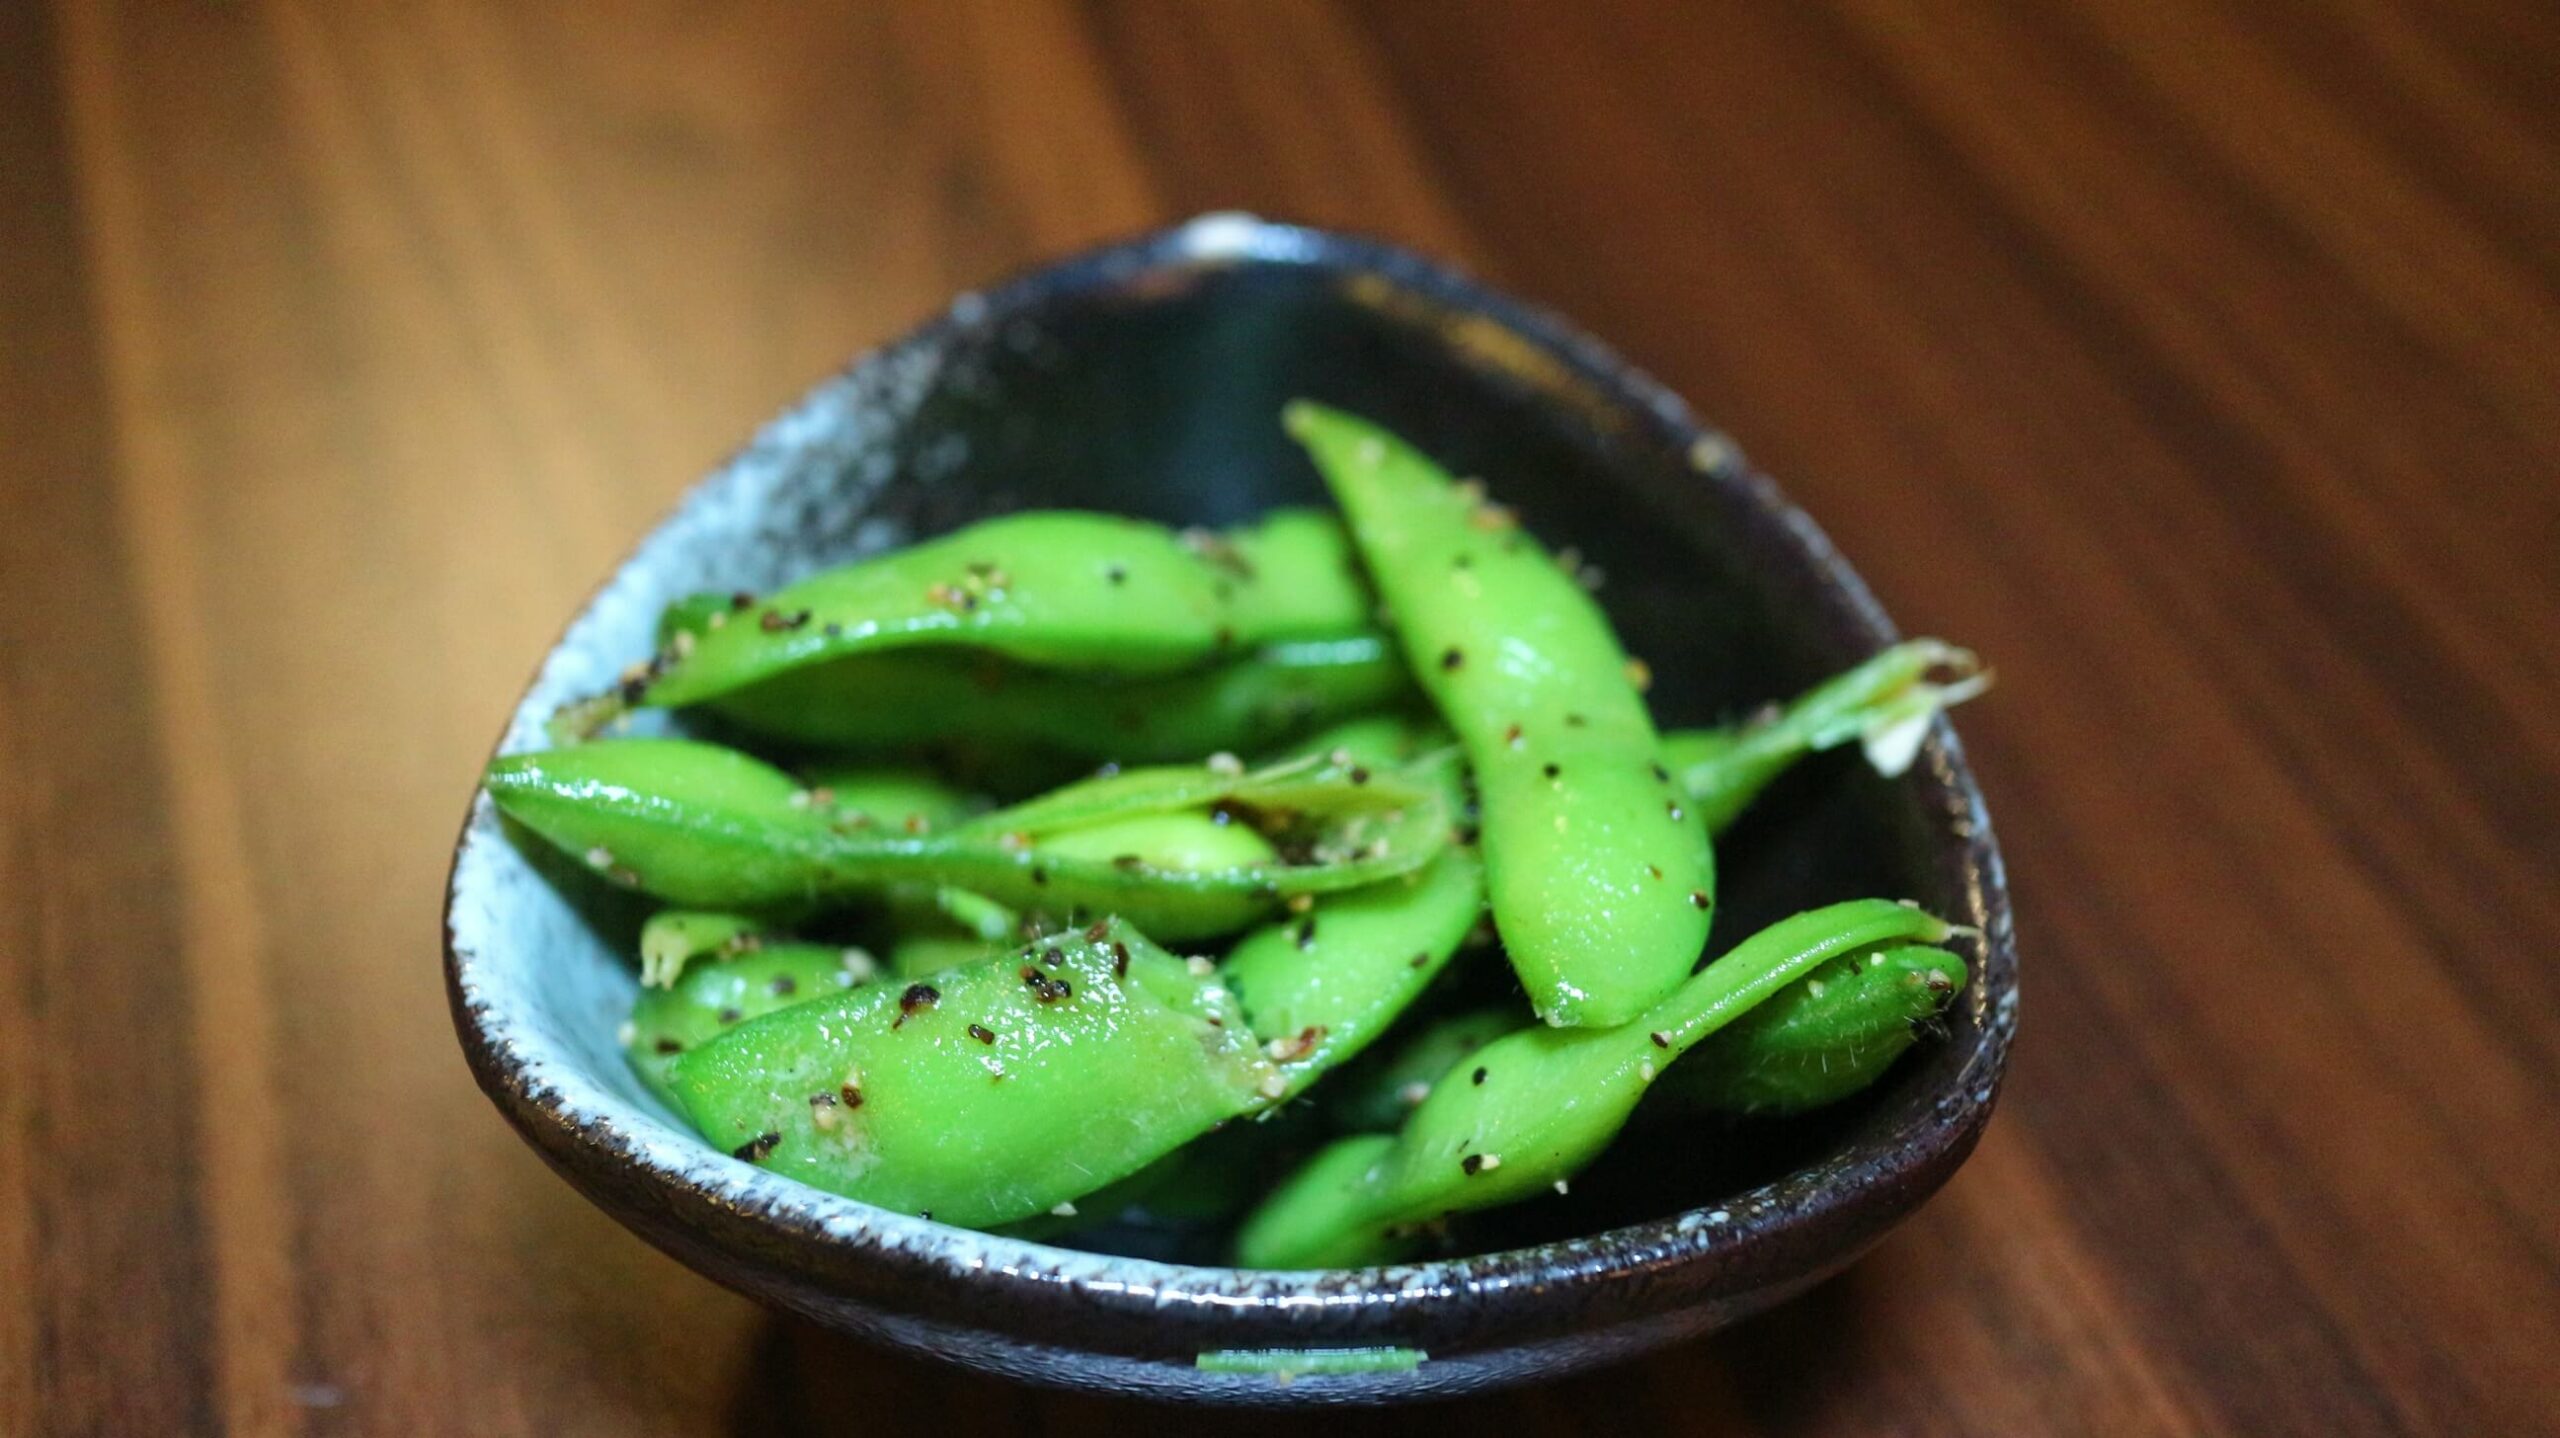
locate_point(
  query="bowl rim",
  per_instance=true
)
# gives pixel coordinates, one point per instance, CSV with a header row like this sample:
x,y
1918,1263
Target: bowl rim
x,y
778,1220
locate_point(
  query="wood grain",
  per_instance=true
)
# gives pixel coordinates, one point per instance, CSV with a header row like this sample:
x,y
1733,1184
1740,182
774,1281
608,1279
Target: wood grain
x,y
2197,360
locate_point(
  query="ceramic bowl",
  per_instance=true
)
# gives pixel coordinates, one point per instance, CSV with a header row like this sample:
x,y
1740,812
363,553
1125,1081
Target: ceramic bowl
x,y
1148,378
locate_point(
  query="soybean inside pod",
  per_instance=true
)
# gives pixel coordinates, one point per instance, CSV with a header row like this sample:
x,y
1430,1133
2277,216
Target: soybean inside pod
x,y
1184,851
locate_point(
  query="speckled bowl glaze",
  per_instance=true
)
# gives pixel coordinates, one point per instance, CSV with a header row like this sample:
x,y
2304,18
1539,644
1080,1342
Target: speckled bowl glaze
x,y
1147,378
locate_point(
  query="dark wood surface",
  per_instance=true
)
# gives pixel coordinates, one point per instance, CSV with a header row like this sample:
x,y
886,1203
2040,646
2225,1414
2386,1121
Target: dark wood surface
x,y
2197,360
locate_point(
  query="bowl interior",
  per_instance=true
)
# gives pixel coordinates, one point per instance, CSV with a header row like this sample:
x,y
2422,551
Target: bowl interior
x,y
1149,380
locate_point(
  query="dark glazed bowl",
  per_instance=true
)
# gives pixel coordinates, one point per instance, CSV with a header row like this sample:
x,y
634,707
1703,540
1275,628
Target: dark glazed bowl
x,y
1148,378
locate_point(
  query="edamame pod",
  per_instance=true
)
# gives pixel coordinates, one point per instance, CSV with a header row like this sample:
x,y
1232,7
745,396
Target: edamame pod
x,y
1321,984
1885,704
707,1000
1598,867
1822,1038
704,826
988,1093
1538,1105
1055,587
935,697
1374,1095
913,955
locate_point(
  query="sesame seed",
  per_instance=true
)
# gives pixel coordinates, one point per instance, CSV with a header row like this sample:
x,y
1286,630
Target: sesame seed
x,y
1199,968
1225,765
1062,1210
1412,1094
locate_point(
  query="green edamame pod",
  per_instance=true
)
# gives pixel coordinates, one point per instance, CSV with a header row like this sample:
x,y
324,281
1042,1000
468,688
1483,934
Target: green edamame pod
x,y
1584,834
707,1000
1375,1095
1322,983
1300,575
1211,1179
916,954
1051,587
935,697
1822,1038
1885,703
988,1093
1538,1105
700,825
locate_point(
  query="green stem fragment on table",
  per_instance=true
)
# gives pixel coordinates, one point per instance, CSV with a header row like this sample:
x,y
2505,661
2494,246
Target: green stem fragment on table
x,y
988,1093
1288,1363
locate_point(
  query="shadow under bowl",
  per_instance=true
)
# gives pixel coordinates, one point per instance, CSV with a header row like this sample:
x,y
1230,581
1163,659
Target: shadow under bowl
x,y
1147,378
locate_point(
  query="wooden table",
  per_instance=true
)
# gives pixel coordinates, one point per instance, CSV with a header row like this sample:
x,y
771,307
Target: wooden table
x,y
2197,360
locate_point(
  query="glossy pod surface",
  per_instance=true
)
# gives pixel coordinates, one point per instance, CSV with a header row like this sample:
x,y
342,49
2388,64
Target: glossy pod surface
x,y
1145,379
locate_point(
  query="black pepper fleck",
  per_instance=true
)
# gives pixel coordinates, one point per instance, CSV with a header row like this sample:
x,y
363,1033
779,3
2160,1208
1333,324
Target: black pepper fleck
x,y
982,1033
1480,1073
755,1149
916,997
1452,657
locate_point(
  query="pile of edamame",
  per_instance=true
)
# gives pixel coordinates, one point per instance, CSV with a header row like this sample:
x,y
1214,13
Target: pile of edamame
x,y
1057,870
